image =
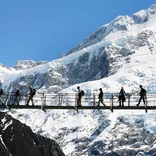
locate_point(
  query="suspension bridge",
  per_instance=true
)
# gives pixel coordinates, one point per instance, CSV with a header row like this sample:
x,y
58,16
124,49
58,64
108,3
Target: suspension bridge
x,y
68,101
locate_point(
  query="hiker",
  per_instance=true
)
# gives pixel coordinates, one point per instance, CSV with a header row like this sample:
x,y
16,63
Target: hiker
x,y
80,94
121,97
142,95
31,95
100,97
1,93
17,94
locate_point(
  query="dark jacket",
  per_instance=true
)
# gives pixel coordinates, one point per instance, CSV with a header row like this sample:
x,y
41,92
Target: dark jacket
x,y
142,92
122,94
100,95
17,92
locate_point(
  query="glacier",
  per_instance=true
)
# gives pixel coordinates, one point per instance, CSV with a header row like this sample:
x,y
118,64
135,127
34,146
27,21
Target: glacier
x,y
120,53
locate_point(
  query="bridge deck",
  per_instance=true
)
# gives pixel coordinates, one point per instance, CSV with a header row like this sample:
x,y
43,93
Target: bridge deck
x,y
81,107
69,101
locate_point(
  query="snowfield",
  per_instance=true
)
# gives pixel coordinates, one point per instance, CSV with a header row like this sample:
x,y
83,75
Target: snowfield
x,y
100,131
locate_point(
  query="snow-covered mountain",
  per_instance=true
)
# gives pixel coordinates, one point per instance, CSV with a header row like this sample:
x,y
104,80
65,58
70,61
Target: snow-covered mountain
x,y
120,53
17,139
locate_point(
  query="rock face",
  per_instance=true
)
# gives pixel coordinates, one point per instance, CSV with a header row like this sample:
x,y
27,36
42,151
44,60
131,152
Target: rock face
x,y
125,139
101,55
17,139
26,64
51,80
97,57
96,69
144,15
121,23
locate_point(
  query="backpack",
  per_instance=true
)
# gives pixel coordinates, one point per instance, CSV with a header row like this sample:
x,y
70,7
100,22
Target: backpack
x,y
17,92
82,92
144,91
33,91
1,91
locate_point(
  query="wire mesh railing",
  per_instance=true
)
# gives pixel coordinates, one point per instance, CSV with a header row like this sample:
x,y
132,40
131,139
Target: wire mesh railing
x,y
70,99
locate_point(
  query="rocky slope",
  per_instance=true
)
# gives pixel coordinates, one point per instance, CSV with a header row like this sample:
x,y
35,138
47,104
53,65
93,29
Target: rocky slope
x,y
17,139
121,53
100,55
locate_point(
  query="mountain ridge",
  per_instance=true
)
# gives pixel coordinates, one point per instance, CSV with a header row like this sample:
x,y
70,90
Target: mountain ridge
x,y
18,139
124,57
135,19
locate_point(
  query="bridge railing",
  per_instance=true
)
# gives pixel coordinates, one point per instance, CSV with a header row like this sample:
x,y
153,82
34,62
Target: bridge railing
x,y
70,99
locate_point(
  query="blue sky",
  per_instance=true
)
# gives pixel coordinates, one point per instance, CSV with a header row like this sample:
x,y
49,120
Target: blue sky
x,y
43,29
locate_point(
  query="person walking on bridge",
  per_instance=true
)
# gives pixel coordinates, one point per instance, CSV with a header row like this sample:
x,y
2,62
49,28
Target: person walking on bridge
x,y
31,95
121,97
17,94
142,95
100,97
79,96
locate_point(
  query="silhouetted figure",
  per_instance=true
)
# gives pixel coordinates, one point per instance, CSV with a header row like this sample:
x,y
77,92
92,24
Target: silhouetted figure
x,y
31,95
1,93
17,94
100,97
121,96
79,96
142,95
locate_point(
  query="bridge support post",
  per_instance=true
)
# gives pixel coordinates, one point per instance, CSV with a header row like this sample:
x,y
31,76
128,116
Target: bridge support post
x,y
43,99
129,100
75,100
112,101
26,99
59,99
94,99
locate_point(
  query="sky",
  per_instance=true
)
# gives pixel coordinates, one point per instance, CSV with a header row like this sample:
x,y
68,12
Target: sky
x,y
43,30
